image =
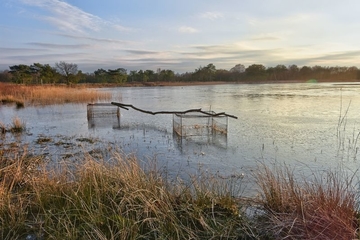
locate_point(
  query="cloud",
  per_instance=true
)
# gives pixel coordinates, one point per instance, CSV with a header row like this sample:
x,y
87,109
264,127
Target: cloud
x,y
186,29
42,58
65,16
122,28
14,51
101,40
69,18
265,38
211,15
345,55
142,52
59,46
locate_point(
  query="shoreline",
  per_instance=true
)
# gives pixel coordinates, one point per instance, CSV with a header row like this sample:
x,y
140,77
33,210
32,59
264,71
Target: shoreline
x,y
175,84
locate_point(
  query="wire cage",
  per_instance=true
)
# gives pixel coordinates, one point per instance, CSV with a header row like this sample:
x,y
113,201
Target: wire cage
x,y
199,124
103,115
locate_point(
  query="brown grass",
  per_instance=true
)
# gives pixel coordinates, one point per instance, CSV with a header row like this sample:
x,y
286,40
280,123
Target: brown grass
x,y
323,207
117,199
17,125
49,94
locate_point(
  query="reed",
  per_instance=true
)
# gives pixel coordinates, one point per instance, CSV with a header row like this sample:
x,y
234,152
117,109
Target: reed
x,y
115,199
49,94
2,128
320,207
6,99
17,125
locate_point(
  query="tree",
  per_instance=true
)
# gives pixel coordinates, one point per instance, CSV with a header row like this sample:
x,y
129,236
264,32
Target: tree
x,y
142,77
352,73
44,73
256,72
133,76
21,73
280,72
101,75
118,75
305,72
150,75
5,76
68,70
293,71
239,68
166,75
205,73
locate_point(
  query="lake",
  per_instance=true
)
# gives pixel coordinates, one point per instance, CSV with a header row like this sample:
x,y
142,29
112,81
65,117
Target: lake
x,y
311,126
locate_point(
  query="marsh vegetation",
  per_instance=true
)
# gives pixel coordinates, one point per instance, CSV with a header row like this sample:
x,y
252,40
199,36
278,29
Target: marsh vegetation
x,y
49,94
118,196
121,198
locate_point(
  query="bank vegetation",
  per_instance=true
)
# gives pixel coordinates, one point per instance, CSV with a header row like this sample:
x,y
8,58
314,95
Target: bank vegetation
x,y
68,73
124,198
49,94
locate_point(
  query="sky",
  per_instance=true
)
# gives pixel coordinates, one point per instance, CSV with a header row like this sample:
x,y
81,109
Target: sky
x,y
179,35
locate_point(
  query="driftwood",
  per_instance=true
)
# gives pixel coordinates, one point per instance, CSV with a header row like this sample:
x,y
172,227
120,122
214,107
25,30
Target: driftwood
x,y
127,106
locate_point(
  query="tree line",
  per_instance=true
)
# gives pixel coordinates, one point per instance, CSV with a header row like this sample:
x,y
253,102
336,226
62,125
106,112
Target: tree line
x,y
68,73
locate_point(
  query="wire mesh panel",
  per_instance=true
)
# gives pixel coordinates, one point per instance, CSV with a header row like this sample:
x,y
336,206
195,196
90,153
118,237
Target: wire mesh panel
x,y
198,124
103,115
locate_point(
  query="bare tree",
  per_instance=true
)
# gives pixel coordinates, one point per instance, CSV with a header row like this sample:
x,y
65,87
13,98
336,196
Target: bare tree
x,y
69,70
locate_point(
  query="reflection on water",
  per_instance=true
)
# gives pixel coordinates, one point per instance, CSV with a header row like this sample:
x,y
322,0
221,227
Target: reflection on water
x,y
293,123
193,142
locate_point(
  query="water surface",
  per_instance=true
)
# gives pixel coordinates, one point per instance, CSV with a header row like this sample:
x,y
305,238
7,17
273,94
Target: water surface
x,y
310,126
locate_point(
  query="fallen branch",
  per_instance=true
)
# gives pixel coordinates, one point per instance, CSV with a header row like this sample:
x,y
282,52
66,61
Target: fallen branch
x,y
127,106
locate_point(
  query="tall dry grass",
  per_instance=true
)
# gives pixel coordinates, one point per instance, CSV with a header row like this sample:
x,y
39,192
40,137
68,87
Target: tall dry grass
x,y
321,207
120,199
16,126
49,94
117,199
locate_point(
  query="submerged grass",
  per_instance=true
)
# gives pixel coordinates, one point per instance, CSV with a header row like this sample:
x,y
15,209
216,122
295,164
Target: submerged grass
x,y
116,199
49,94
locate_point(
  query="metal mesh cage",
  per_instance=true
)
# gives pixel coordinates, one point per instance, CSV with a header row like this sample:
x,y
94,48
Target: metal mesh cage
x,y
198,124
103,115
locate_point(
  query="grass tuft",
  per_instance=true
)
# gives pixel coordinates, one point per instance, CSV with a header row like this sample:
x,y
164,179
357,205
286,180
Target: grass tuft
x,y
17,125
322,207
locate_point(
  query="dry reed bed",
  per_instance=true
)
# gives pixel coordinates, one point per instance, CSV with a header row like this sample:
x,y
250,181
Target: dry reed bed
x,y
117,199
49,94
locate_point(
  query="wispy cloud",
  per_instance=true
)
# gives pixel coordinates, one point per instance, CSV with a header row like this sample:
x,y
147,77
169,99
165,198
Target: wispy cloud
x,y
65,16
15,51
186,29
69,18
211,15
59,46
121,28
264,38
100,40
142,52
